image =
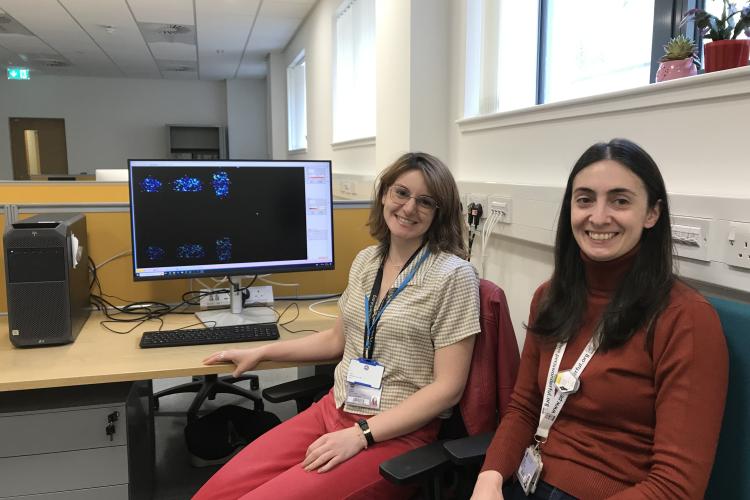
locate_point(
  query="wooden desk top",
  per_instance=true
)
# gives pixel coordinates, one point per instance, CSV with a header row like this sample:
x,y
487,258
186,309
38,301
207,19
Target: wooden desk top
x,y
100,356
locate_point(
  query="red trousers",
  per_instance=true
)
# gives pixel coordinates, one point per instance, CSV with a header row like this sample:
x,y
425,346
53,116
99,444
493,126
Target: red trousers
x,y
270,467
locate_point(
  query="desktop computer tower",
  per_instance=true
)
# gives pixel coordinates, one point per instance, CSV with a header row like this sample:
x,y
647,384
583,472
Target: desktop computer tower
x,y
47,278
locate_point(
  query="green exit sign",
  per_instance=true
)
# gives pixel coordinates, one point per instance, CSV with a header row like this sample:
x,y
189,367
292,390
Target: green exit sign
x,y
18,74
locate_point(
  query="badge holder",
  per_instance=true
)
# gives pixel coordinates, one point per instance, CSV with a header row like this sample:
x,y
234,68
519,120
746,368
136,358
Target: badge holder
x,y
530,469
364,381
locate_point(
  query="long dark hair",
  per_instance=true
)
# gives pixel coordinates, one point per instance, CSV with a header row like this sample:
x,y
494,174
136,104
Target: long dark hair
x,y
640,297
446,233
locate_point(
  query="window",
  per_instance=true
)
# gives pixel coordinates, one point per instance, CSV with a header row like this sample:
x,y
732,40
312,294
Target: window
x,y
354,71
523,53
296,88
598,46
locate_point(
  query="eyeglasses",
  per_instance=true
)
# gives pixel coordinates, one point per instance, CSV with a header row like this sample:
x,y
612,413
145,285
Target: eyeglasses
x,y
399,194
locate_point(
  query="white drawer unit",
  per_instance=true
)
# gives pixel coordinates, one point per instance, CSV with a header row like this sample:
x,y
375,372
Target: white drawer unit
x,y
84,442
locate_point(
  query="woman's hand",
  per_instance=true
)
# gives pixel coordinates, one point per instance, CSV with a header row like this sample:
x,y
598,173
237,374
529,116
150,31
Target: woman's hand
x,y
489,486
244,359
332,449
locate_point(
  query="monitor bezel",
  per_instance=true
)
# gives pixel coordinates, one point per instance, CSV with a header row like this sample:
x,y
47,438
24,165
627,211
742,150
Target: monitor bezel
x,y
236,271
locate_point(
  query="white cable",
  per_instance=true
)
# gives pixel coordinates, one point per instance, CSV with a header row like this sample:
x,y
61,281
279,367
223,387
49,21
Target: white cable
x,y
489,226
117,256
327,315
264,280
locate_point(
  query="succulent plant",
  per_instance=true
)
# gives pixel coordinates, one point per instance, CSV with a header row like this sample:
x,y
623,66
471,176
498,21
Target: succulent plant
x,y
679,47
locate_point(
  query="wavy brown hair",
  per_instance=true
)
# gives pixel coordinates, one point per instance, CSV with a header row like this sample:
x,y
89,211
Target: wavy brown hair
x,y
446,233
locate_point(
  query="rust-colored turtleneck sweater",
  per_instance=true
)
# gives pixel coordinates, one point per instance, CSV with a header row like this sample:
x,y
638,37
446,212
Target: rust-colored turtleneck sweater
x,y
642,425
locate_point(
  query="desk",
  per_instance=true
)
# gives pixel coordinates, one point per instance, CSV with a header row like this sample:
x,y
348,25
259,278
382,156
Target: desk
x,y
53,434
99,356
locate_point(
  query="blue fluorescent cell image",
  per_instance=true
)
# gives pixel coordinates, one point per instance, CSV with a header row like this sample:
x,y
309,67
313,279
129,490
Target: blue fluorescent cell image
x,y
221,182
224,249
155,253
187,184
191,251
151,185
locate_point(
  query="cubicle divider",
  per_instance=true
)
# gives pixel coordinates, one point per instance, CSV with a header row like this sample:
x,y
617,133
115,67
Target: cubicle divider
x,y
108,225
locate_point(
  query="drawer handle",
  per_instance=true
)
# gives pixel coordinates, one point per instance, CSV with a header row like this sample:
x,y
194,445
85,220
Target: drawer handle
x,y
110,428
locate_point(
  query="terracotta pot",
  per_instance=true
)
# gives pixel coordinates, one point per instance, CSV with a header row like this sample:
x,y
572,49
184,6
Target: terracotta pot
x,y
669,70
726,54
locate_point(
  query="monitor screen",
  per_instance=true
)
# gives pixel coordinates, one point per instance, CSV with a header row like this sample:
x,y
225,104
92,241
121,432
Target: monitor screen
x,y
200,218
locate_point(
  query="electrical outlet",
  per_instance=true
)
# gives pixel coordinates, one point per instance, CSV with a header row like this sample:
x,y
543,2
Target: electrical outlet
x,y
214,299
502,206
691,237
260,295
737,250
477,198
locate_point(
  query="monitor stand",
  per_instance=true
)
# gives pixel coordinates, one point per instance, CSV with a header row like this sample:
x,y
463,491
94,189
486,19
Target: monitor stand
x,y
236,314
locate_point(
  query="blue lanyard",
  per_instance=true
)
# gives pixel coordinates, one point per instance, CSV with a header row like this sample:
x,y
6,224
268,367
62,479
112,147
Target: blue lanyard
x,y
371,323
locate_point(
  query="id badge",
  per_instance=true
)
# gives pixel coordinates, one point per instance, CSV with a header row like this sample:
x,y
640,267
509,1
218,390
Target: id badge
x,y
362,395
365,372
530,469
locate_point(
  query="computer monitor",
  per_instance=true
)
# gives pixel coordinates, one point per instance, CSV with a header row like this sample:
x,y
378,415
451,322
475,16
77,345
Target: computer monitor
x,y
204,218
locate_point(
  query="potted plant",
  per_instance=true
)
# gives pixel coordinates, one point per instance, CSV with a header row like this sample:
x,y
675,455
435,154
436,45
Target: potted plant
x,y
724,51
679,59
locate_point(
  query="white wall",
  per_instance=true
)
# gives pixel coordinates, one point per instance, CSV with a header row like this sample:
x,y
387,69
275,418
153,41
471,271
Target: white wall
x,y
108,120
246,119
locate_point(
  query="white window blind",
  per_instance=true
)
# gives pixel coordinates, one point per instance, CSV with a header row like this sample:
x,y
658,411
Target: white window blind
x,y
354,71
296,86
501,55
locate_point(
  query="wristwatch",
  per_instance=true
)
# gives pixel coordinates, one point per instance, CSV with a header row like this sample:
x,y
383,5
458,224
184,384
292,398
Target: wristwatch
x,y
366,431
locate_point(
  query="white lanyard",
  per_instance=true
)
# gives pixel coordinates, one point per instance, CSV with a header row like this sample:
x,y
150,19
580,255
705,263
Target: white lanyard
x,y
554,399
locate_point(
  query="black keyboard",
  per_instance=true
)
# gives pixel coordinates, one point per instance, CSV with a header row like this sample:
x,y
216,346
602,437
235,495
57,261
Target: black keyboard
x,y
217,335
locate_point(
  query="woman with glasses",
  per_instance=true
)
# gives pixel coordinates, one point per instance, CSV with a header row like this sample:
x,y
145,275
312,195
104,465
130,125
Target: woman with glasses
x,y
405,337
623,374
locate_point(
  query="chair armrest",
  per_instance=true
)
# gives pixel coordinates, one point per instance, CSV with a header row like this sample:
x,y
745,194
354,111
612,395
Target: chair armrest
x,y
303,388
468,450
416,464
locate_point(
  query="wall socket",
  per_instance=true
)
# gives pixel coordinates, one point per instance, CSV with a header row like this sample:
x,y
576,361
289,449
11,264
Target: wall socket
x,y
737,249
502,205
260,295
214,299
477,198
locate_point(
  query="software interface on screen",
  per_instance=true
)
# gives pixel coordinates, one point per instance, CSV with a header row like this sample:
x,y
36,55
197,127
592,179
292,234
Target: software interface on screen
x,y
222,217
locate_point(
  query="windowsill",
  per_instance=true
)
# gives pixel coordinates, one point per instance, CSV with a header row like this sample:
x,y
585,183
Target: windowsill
x,y
353,143
693,89
299,151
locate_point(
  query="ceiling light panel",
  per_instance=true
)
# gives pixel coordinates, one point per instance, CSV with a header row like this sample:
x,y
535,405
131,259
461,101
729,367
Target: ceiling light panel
x,y
173,51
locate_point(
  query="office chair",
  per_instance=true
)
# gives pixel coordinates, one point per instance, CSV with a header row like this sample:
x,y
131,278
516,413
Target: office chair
x,y
304,391
729,478
492,375
207,387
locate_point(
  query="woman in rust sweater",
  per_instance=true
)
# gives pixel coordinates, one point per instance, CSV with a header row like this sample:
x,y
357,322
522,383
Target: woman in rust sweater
x,y
623,375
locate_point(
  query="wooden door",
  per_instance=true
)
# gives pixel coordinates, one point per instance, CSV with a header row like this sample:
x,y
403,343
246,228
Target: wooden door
x,y
50,144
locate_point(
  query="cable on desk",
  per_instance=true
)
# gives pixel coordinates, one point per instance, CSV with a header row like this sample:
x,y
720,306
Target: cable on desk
x,y
311,307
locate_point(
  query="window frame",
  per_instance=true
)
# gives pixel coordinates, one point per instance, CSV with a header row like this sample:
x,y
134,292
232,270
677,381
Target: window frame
x,y
293,101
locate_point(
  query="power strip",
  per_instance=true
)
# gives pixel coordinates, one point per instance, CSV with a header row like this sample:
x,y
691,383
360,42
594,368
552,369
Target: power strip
x,y
214,299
